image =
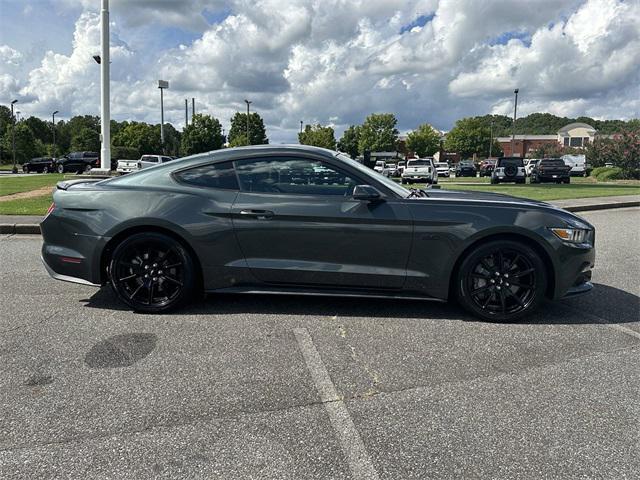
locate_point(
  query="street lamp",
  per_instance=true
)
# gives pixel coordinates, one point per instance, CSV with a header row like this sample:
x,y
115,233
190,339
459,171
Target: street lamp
x,y
162,84
105,106
13,137
53,124
300,126
248,103
513,134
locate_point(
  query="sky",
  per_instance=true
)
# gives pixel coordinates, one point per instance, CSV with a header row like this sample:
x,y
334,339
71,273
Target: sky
x,y
325,61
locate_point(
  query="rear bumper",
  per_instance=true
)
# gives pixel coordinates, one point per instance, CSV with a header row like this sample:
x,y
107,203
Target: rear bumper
x,y
66,278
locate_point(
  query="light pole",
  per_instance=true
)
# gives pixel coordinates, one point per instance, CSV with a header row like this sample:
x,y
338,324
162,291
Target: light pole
x,y
491,137
248,103
186,112
53,126
193,108
105,110
13,137
513,134
300,126
162,84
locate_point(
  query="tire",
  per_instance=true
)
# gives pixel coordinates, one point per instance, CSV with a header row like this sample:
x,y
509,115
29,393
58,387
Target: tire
x,y
25,169
60,168
87,168
45,170
147,265
493,296
566,180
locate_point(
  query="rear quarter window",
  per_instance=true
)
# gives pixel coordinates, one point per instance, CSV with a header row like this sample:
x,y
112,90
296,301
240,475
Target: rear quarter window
x,y
216,175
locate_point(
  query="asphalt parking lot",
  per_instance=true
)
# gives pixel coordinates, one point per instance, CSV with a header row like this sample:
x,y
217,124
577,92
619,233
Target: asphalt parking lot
x,y
248,387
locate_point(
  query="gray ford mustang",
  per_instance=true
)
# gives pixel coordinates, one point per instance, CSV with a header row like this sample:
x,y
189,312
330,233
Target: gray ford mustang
x,y
304,220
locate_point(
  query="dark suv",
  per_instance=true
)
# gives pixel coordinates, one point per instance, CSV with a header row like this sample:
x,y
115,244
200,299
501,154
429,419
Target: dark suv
x,y
551,170
465,168
509,169
40,164
78,162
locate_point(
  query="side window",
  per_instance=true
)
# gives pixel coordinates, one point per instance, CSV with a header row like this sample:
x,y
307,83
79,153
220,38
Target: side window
x,y
293,175
217,175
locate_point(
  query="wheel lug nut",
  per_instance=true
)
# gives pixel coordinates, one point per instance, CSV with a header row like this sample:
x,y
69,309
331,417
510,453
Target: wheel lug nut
x,y
155,279
155,264
159,272
146,276
506,284
498,287
146,267
493,281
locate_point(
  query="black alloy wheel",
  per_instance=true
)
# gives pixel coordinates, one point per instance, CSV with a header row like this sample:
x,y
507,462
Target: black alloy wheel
x,y
152,272
502,281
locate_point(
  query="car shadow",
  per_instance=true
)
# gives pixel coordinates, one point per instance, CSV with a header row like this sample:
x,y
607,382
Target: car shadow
x,y
605,304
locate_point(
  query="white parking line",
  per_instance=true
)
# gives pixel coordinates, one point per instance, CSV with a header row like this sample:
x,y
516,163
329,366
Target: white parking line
x,y
352,446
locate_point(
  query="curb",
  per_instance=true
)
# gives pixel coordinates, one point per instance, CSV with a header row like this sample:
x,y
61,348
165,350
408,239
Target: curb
x,y
20,228
601,206
34,228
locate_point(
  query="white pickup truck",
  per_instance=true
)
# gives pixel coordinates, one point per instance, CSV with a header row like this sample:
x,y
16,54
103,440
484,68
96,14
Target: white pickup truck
x,y
420,170
128,166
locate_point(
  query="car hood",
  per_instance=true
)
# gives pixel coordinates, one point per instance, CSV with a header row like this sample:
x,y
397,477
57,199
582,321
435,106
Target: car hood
x,y
484,196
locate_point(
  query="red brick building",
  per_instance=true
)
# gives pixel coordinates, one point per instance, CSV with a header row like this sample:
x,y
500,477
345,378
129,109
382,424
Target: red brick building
x,y
525,144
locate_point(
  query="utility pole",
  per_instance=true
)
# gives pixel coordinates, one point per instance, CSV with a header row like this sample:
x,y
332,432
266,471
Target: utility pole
x,y
300,126
162,84
248,103
105,113
13,137
193,108
491,138
186,112
513,134
53,124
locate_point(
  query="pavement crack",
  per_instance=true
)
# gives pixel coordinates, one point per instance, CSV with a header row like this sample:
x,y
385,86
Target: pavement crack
x,y
27,325
374,377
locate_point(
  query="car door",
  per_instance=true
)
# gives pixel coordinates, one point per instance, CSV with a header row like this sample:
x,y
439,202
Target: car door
x,y
297,223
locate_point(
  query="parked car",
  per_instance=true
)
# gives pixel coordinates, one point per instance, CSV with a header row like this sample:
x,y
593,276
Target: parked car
x,y
465,168
442,168
551,170
152,160
389,169
420,170
400,168
233,221
379,166
486,167
127,166
39,164
509,169
578,164
529,165
77,162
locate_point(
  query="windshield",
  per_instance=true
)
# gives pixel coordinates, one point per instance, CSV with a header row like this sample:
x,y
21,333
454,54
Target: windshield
x,y
516,162
417,163
390,184
442,165
379,164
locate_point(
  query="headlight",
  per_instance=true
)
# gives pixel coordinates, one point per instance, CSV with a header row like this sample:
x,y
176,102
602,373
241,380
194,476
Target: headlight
x,y
573,235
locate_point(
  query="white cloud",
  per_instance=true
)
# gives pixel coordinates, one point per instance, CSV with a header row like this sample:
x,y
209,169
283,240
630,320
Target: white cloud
x,y
338,60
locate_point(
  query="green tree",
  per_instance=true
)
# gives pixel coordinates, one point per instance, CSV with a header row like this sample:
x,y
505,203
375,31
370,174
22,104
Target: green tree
x,y
41,129
349,142
142,137
203,134
318,136
27,145
424,140
238,131
85,139
469,136
378,133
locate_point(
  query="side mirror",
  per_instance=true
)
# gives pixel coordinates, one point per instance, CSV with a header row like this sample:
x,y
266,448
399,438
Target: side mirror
x,y
366,193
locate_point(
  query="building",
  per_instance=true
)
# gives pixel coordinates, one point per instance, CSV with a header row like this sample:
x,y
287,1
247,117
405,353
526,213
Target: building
x,y
576,135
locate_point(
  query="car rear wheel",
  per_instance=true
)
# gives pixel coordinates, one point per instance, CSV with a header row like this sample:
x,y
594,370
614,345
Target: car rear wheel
x,y
25,169
152,272
60,168
501,281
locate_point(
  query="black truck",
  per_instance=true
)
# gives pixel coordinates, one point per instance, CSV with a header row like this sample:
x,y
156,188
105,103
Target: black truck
x,y
551,170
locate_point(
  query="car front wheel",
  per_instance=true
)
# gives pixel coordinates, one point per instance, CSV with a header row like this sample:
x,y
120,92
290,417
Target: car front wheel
x,y
152,272
501,281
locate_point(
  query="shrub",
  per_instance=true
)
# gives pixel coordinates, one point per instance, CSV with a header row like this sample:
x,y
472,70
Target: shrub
x,y
598,170
609,173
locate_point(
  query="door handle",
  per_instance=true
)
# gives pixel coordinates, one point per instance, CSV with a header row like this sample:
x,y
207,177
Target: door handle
x,y
259,214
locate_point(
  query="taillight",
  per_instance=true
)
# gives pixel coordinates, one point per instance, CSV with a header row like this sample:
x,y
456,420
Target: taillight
x,y
51,208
